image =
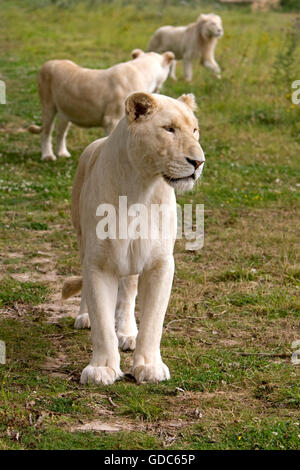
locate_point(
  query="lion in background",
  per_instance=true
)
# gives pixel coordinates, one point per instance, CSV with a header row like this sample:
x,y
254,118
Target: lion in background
x,y
265,5
91,97
195,41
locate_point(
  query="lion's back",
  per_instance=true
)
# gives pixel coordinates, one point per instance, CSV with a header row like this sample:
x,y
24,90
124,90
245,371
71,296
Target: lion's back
x,y
168,38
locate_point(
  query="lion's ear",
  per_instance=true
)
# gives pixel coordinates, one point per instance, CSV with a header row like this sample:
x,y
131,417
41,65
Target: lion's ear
x,y
203,17
189,100
139,105
168,57
136,53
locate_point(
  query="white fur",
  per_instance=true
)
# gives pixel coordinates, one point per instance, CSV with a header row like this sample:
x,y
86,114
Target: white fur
x,y
134,160
82,321
125,319
194,41
92,98
100,375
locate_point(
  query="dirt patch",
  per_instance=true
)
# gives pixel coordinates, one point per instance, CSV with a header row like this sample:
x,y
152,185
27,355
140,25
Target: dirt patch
x,y
17,311
53,365
42,270
99,426
166,430
11,129
56,308
40,260
13,255
22,277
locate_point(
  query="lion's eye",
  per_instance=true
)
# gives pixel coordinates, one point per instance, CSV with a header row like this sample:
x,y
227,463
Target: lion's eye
x,y
195,130
169,129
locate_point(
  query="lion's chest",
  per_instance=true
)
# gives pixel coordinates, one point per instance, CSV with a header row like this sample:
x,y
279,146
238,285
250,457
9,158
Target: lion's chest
x,y
128,257
128,237
132,256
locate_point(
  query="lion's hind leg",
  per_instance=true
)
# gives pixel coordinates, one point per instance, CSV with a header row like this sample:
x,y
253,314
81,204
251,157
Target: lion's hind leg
x,y
48,112
82,321
61,134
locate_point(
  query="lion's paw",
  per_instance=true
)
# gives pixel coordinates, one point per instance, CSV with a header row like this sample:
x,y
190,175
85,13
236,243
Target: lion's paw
x,y
100,375
82,321
127,343
64,154
49,157
151,373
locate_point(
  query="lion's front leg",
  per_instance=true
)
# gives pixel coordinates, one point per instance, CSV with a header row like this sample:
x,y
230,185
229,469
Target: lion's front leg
x,y
208,59
125,319
213,66
154,290
101,290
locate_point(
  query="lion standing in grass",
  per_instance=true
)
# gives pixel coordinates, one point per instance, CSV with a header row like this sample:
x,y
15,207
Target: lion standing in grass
x,y
195,41
92,98
153,150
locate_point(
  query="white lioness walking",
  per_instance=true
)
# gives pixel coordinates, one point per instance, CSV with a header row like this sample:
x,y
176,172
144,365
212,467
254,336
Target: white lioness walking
x,y
92,98
195,41
153,150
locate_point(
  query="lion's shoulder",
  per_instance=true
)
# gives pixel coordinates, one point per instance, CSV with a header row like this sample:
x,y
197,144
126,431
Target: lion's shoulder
x,y
86,164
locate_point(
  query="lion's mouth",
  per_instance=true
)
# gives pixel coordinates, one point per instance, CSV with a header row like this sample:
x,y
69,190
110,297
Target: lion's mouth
x,y
171,180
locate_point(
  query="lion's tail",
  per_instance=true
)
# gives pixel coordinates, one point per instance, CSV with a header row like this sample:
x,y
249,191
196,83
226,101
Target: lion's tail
x,y
71,287
35,129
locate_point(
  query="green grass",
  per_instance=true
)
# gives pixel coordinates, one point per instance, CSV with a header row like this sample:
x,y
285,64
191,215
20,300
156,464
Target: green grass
x,y
12,291
267,435
234,310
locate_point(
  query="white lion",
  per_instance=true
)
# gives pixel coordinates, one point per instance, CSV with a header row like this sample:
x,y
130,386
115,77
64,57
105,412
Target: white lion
x,y
153,150
90,98
195,41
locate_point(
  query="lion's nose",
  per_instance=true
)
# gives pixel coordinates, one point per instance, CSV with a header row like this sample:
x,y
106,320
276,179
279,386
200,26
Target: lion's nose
x,y
195,163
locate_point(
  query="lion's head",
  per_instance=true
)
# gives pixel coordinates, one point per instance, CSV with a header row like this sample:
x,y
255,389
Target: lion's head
x,y
161,63
163,138
210,25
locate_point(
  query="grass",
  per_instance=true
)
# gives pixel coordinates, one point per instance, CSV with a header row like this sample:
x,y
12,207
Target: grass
x,y
12,291
234,310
